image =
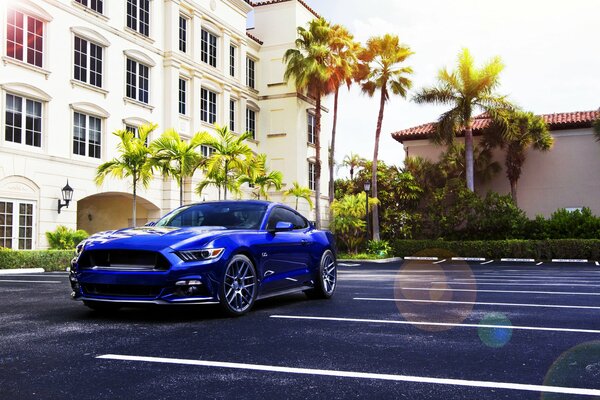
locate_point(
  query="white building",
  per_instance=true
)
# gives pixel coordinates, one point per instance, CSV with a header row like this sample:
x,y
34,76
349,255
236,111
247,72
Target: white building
x,y
73,71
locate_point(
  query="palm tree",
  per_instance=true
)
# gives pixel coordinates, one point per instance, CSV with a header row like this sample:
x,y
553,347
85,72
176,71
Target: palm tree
x,y
353,161
524,130
228,160
465,90
381,69
177,157
134,161
597,129
258,176
344,61
307,65
299,192
452,162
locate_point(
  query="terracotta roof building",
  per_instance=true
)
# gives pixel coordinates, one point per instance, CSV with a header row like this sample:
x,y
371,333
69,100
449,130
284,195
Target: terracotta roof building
x,y
567,176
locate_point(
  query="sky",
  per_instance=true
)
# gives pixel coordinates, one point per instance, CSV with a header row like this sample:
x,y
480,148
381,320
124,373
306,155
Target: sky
x,y
551,50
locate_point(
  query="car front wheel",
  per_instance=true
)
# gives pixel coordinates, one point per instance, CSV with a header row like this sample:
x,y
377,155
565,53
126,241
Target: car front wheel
x,y
239,287
326,278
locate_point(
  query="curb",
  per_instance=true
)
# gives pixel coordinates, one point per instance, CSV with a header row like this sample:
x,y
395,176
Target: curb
x,y
21,271
381,261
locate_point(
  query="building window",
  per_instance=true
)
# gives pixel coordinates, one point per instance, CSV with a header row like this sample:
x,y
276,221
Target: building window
x,y
87,135
251,122
136,87
208,48
206,151
17,118
96,5
88,54
183,23
311,176
208,106
16,224
311,128
232,108
138,16
250,68
24,34
182,95
232,51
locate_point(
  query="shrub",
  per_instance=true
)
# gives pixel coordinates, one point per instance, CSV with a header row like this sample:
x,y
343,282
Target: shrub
x,y
378,247
349,220
49,260
64,238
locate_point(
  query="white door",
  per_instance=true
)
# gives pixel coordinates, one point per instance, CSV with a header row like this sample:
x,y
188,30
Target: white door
x,y
16,224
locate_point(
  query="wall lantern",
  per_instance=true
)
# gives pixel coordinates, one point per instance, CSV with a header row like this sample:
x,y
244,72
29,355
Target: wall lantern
x,y
67,195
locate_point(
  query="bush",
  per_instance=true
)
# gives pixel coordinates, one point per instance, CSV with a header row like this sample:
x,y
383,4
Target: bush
x,y
494,249
64,238
378,247
49,260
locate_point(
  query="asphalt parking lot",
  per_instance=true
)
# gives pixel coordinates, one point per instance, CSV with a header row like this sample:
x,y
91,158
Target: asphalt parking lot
x,y
413,330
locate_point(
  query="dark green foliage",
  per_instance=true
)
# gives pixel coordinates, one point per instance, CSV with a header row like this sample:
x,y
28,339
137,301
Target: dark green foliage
x,y
564,224
50,260
379,247
64,238
495,249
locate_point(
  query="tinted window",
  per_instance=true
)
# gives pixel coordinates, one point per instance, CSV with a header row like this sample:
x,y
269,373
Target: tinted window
x,y
228,215
285,215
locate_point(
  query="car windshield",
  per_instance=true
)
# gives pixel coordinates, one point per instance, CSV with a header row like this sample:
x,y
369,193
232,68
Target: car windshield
x,y
228,215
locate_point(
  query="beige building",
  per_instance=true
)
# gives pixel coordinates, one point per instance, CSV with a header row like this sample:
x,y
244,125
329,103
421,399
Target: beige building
x,y
73,71
567,176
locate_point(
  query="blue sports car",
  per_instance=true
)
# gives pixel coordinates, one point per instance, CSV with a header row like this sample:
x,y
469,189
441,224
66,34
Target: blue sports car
x,y
230,253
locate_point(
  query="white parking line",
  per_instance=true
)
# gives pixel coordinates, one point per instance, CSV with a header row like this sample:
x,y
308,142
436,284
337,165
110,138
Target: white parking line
x,y
26,281
425,323
565,281
515,284
540,263
503,291
487,262
439,262
480,303
357,375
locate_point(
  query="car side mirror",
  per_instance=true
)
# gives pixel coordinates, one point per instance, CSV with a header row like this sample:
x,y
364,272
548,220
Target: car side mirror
x,y
282,226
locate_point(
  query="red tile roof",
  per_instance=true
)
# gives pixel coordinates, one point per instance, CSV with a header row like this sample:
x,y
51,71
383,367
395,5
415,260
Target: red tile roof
x,y
269,2
560,121
257,40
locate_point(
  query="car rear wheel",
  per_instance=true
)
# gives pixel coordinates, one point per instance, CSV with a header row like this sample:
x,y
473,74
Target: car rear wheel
x,y
102,306
326,279
240,285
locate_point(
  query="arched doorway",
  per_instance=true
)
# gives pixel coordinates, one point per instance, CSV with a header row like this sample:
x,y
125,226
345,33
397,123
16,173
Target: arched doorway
x,y
112,210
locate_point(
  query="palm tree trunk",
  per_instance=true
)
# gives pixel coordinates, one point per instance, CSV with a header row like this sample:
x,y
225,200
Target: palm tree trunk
x,y
513,191
318,160
134,215
375,209
351,173
469,157
296,203
226,182
332,153
180,191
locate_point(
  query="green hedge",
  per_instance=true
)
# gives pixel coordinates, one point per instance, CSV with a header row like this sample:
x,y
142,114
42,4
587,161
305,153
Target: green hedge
x,y
495,249
50,260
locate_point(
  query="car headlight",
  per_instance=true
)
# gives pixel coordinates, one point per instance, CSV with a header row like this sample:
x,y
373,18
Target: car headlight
x,y
79,248
200,255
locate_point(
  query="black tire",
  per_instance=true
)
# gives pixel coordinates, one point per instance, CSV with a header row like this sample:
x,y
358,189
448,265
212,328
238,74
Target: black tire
x,y
326,279
239,287
102,306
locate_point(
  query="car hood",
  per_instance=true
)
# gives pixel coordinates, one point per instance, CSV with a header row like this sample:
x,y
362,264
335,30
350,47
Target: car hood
x,y
152,238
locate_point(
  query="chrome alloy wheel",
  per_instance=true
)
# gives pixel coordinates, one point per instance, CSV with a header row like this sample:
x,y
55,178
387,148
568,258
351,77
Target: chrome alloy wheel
x,y
239,285
328,273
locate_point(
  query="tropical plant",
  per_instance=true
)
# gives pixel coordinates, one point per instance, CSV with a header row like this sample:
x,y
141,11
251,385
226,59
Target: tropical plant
x,y
524,130
227,162
344,61
63,238
381,68
307,65
353,161
349,223
597,129
299,192
260,178
133,162
452,162
466,89
177,157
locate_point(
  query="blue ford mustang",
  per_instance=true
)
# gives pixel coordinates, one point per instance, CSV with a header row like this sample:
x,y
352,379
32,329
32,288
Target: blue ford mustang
x,y
227,252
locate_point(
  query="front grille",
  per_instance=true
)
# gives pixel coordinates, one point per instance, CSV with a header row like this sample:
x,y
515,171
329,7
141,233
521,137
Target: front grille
x,y
121,290
123,260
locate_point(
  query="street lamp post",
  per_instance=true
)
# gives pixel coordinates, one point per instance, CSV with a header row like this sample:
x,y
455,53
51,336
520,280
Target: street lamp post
x,y
367,187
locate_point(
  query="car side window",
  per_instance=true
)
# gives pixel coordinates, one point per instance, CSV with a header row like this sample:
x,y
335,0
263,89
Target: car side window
x,y
283,215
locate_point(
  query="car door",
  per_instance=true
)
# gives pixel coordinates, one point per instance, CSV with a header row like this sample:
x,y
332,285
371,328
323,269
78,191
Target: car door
x,y
285,254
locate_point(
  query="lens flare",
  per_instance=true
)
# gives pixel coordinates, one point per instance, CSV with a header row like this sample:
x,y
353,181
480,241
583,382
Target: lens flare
x,y
433,282
492,336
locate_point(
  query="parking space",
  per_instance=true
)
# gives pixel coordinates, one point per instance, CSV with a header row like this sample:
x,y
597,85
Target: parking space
x,y
415,330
